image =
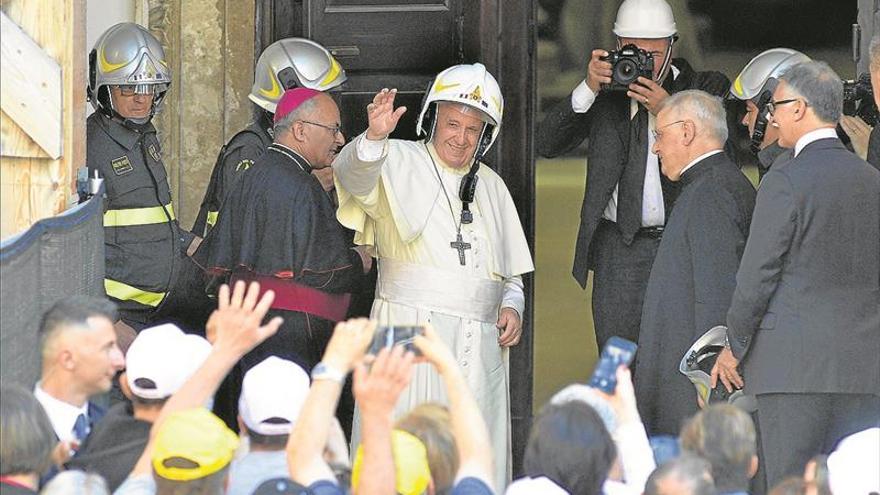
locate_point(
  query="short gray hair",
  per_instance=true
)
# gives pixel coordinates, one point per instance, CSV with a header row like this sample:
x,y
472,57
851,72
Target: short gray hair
x,y
874,52
694,473
26,435
303,111
820,86
75,482
724,435
706,111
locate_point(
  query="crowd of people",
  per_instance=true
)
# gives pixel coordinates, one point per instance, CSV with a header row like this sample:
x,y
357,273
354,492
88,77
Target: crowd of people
x,y
234,358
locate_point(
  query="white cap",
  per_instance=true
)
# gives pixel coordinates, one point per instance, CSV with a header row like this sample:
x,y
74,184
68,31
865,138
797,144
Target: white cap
x,y
166,356
853,466
275,388
529,486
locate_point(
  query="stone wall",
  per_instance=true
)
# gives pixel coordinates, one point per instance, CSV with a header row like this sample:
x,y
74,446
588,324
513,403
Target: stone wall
x,y
210,48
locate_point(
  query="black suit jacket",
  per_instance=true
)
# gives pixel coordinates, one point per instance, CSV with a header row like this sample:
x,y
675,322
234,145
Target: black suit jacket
x,y
805,315
606,124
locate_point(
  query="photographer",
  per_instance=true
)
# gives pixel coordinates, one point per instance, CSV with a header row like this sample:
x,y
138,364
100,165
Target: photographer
x,y
627,200
864,138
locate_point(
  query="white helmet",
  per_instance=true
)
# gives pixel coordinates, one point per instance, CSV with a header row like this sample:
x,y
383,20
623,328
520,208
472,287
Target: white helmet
x,y
762,73
470,85
757,82
697,365
644,19
293,63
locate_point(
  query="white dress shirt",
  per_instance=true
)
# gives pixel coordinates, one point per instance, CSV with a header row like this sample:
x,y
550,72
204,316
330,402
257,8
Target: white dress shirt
x,y
61,414
823,133
653,212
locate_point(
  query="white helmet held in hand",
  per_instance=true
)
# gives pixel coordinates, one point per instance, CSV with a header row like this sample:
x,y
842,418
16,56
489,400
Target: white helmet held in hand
x,y
644,19
697,365
293,63
467,84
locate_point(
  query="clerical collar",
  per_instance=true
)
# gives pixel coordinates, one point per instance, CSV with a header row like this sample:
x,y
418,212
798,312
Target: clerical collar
x,y
442,164
698,160
301,162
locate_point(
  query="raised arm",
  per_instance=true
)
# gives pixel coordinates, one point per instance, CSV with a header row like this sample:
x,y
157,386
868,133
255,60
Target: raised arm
x,y
468,425
305,447
235,329
376,392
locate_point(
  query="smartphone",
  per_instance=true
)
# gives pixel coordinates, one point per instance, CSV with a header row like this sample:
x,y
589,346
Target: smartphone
x,y
387,337
617,351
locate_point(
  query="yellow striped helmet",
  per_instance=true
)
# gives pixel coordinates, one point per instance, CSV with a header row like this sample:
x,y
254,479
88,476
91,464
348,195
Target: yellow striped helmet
x,y
293,63
127,55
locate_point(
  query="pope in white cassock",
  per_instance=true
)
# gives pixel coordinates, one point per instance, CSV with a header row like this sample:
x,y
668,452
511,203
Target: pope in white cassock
x,y
448,255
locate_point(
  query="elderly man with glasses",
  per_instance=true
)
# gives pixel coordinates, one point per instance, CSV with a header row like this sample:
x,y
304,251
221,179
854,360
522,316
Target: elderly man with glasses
x,y
692,278
278,226
804,320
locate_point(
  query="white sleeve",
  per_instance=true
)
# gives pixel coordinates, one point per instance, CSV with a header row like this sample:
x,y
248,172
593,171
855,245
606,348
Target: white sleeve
x,y
513,295
582,98
635,453
369,150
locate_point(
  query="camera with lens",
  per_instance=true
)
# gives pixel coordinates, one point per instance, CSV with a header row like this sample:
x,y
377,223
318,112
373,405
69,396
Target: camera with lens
x,y
627,65
858,99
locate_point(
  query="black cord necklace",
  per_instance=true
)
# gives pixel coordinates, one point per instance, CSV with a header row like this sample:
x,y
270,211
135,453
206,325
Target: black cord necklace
x,y
458,244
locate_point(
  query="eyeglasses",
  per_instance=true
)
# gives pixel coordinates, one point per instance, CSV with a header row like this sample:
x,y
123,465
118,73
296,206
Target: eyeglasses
x,y
139,89
771,105
658,135
335,129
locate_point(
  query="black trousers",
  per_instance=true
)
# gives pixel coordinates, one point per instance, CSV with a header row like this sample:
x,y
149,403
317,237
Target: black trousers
x,y
620,277
796,427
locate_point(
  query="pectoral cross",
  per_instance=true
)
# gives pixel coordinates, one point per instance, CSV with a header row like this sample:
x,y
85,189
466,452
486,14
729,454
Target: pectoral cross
x,y
460,245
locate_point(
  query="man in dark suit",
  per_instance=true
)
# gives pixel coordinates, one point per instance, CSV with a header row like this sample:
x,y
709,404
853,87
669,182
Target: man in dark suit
x,y
805,315
694,272
627,200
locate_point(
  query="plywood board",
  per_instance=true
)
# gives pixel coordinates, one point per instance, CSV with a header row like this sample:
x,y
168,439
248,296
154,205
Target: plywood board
x,y
30,88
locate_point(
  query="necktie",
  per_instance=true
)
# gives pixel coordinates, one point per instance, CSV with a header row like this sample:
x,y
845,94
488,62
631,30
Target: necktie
x,y
632,181
81,427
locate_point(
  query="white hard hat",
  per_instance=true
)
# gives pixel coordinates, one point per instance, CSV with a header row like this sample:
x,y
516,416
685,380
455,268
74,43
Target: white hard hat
x,y
467,84
697,365
760,76
644,19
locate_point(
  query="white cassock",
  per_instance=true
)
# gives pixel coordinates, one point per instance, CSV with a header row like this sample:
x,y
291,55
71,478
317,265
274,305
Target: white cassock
x,y
390,194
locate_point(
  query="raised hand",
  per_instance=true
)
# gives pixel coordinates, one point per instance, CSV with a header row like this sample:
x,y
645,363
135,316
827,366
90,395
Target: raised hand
x,y
382,116
434,350
648,93
598,70
349,343
378,388
235,324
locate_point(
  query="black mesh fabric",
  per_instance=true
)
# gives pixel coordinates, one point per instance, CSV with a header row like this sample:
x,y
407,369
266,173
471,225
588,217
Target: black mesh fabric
x,y
57,257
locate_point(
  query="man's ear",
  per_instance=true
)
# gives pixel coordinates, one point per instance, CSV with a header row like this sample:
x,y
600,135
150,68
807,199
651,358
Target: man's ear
x,y
123,385
66,360
753,467
689,134
298,131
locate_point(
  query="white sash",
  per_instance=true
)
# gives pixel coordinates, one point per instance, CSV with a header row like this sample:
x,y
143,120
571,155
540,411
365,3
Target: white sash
x,y
439,290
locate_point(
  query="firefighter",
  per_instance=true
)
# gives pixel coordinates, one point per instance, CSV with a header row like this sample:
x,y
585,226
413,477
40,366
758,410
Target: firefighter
x,y
145,248
285,64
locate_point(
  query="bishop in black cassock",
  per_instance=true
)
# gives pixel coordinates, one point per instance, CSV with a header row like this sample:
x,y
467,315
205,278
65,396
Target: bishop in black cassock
x,y
693,276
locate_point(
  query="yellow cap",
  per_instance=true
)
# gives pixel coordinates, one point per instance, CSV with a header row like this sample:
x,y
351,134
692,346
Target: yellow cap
x,y
199,438
410,464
